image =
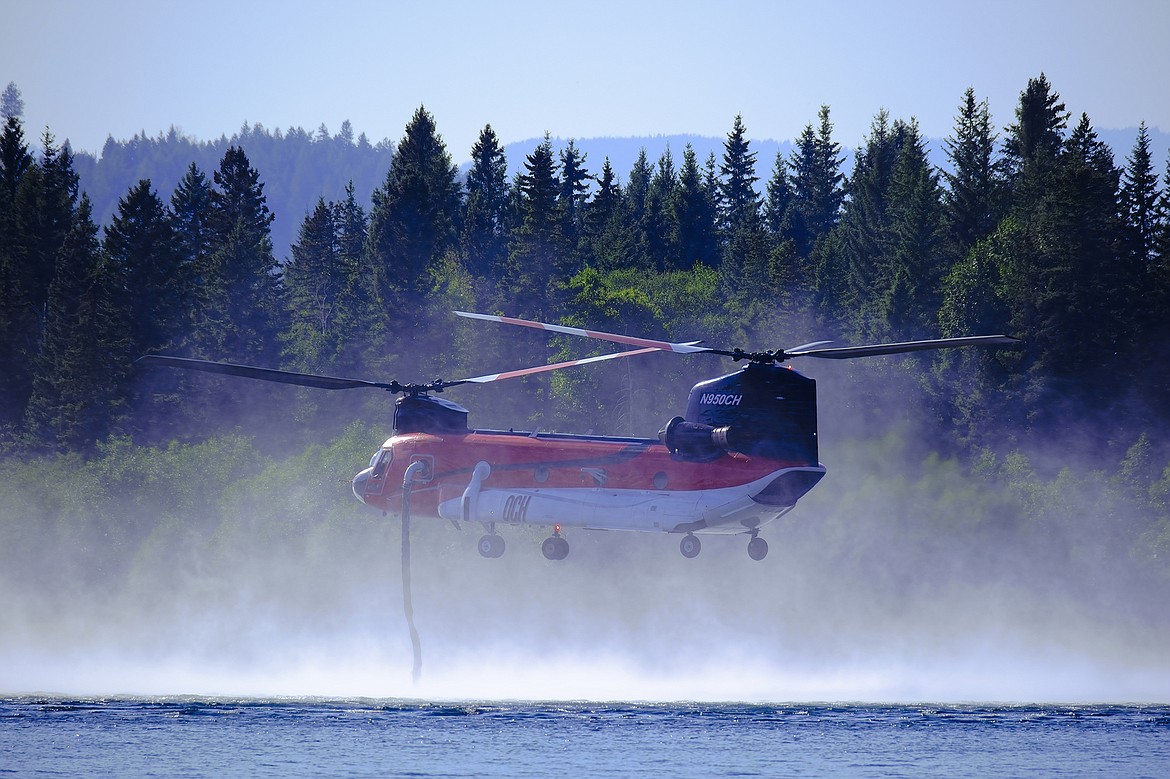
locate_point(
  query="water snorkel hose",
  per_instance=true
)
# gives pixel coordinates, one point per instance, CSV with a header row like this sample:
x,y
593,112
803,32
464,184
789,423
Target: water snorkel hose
x,y
418,468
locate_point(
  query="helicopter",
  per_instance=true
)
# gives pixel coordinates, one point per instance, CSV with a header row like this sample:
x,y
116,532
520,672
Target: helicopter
x,y
741,456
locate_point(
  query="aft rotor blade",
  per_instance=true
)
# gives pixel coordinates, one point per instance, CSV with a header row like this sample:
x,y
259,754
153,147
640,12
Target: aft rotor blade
x,y
553,367
263,374
690,347
849,352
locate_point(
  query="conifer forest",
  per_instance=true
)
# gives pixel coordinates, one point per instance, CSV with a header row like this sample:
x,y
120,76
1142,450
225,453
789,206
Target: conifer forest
x,y
1056,452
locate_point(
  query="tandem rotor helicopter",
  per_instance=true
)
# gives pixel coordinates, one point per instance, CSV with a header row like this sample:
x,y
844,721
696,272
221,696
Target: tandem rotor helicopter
x,y
741,456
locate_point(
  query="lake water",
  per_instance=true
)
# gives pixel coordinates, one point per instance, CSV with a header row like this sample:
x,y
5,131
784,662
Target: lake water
x,y
214,737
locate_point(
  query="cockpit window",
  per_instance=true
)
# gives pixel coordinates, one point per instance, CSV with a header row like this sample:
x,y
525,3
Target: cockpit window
x,y
381,461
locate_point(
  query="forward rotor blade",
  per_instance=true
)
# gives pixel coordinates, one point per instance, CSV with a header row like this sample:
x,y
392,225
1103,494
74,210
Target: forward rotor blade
x,y
849,352
690,347
263,374
553,367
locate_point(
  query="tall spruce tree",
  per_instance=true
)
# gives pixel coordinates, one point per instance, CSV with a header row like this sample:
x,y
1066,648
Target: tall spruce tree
x,y
1033,144
635,194
1086,273
867,229
918,254
789,271
609,241
241,305
818,185
15,161
484,237
153,286
359,318
661,228
574,179
191,231
42,213
694,215
537,258
778,200
737,179
974,191
414,218
315,280
83,357
1139,199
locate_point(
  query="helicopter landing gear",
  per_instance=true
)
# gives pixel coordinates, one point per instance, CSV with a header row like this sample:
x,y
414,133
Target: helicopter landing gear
x,y
491,545
689,546
757,548
555,547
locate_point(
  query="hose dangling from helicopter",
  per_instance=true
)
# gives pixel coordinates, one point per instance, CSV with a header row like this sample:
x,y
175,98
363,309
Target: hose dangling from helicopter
x,y
417,469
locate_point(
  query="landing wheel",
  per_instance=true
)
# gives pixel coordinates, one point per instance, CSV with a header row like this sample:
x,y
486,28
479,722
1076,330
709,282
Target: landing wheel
x,y
555,547
491,545
689,546
757,548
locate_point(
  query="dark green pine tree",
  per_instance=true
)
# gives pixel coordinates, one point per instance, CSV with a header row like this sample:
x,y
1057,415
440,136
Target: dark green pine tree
x,y
413,221
83,358
41,215
1033,144
605,202
918,256
485,239
331,322
45,210
778,200
240,297
1090,285
661,227
191,232
153,284
359,319
574,179
536,262
791,275
694,215
818,185
974,193
315,281
636,191
737,179
15,162
1139,199
867,237
608,239
1067,286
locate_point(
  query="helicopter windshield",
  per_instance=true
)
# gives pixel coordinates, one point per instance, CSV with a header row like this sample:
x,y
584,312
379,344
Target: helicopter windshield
x,y
381,461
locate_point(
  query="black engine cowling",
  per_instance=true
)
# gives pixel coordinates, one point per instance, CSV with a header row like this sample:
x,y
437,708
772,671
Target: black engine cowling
x,y
761,410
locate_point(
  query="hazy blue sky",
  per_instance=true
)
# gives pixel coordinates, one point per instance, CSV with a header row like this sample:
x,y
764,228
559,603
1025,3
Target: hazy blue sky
x,y
89,69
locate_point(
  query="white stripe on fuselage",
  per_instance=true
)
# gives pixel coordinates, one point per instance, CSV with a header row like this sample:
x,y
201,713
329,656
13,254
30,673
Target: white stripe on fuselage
x,y
722,510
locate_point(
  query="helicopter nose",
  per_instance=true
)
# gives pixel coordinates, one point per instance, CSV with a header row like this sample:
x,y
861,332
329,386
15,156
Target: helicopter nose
x,y
359,484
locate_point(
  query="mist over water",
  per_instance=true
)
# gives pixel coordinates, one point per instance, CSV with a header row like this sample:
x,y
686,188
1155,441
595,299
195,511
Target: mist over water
x,y
624,618
853,603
